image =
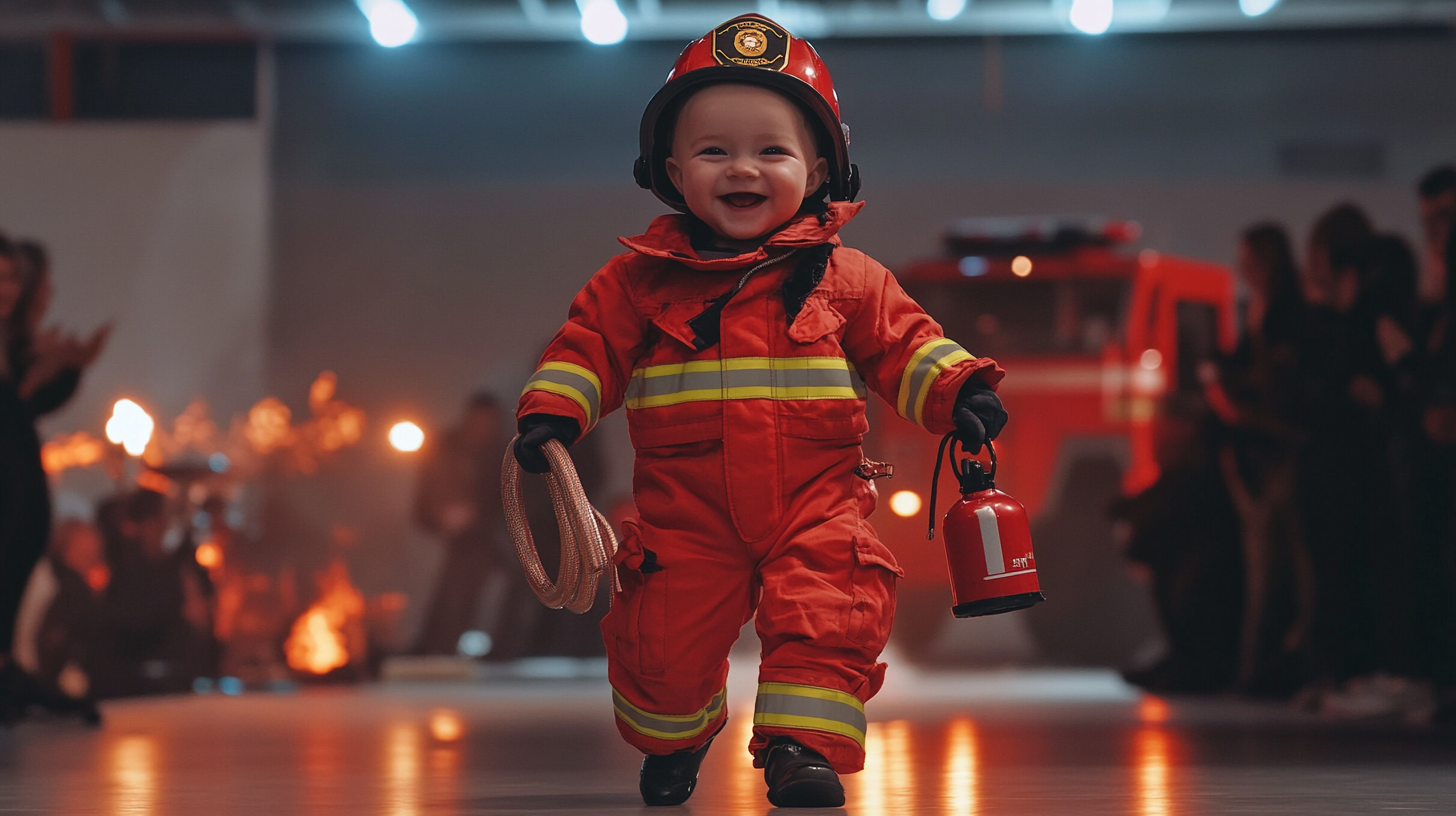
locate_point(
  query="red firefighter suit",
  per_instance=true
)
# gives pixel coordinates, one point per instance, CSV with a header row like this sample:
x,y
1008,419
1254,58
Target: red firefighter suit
x,y
744,477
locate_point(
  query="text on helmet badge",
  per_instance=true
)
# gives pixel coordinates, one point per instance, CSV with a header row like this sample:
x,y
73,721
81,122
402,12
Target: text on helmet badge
x,y
752,43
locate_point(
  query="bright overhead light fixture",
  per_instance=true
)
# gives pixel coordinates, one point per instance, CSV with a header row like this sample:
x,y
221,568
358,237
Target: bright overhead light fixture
x,y
602,22
390,21
1256,8
944,9
1091,16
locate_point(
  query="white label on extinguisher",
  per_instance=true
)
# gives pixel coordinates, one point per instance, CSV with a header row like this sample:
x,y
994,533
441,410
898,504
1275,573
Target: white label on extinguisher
x,y
991,540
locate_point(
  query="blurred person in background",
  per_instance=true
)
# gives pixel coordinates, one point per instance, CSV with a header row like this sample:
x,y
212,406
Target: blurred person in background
x,y
459,498
158,635
1184,529
1250,391
1337,445
70,631
39,371
1437,196
1386,370
1438,501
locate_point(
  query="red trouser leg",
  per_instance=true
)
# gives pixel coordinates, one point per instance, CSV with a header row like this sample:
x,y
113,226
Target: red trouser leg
x,y
827,606
823,585
668,634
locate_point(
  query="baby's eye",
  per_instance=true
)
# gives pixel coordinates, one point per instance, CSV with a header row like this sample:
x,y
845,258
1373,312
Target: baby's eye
x,y
713,151
775,151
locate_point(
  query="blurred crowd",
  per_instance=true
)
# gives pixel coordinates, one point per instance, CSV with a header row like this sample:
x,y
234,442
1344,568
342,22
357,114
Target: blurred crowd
x,y
1301,537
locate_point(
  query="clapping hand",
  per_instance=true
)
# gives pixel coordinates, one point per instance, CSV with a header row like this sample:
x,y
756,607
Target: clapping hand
x,y
57,351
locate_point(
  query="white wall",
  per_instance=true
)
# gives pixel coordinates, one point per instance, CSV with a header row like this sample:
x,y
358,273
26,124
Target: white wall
x,y
162,228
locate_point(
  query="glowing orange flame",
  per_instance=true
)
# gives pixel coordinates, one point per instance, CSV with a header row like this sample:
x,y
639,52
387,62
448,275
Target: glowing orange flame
x,y
268,426
318,643
77,450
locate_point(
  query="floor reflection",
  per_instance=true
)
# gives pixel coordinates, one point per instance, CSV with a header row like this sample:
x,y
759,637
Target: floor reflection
x,y
1151,757
132,766
401,771
961,771
867,788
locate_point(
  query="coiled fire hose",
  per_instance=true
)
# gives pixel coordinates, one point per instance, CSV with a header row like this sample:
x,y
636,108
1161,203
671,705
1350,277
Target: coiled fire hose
x,y
587,541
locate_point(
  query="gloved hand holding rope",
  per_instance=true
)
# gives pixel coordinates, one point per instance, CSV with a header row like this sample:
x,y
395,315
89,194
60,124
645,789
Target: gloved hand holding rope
x,y
588,544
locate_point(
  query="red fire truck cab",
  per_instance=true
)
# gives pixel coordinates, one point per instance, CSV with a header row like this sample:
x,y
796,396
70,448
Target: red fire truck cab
x,y
1096,340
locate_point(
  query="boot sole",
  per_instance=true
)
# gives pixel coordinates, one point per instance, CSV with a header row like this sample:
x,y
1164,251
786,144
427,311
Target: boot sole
x,y
808,793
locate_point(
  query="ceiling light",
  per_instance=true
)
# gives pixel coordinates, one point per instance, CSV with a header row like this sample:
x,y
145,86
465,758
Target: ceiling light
x,y
602,22
1091,16
390,21
1256,8
944,9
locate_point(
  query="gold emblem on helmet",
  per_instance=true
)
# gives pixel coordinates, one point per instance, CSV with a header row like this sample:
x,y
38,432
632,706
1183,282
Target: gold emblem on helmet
x,y
751,42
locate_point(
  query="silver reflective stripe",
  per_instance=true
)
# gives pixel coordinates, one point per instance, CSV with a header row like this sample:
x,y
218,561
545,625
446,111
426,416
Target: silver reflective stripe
x,y
789,705
664,726
776,379
576,383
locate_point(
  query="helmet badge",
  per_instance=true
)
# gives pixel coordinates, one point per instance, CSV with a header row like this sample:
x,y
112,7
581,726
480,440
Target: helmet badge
x,y
751,42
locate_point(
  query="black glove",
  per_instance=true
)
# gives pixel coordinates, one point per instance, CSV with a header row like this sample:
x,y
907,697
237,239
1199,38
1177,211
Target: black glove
x,y
978,415
538,429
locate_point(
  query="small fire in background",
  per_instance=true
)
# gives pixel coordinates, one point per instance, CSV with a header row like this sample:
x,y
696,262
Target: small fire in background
x,y
329,635
76,450
199,461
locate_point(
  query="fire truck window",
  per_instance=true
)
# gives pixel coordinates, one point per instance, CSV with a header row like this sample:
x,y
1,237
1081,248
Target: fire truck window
x,y
1197,342
1009,318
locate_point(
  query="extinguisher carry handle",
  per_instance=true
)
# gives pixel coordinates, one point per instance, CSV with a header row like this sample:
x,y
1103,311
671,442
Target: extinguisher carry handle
x,y
959,468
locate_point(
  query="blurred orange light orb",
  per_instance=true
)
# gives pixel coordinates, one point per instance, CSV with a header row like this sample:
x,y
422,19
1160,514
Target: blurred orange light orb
x,y
445,726
905,503
406,436
209,554
1153,710
1021,266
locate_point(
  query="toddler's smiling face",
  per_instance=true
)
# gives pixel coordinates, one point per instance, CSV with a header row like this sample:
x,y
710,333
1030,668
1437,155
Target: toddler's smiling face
x,y
744,158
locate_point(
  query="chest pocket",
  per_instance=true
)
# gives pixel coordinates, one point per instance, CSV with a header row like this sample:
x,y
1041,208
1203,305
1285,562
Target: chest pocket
x,y
815,332
659,414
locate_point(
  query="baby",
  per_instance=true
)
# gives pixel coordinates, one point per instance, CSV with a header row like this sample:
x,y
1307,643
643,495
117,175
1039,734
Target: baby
x,y
741,336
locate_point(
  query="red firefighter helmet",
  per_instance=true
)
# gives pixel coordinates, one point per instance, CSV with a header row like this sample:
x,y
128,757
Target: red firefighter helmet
x,y
754,49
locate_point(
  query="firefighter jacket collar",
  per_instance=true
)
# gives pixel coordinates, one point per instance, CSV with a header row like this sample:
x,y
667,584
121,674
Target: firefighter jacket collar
x,y
668,237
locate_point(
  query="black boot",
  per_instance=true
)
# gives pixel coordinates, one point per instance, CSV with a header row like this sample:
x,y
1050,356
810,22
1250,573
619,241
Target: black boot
x,y
800,777
670,779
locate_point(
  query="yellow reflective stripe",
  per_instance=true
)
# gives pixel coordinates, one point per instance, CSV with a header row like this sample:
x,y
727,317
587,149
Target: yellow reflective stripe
x,y
746,364
957,356
747,392
813,708
669,726
573,368
569,380
810,724
926,364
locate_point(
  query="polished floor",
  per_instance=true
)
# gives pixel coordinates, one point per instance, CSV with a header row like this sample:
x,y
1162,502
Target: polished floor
x,y
1024,743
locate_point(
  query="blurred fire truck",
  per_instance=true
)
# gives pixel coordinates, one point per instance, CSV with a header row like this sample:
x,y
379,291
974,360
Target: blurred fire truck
x,y
1098,341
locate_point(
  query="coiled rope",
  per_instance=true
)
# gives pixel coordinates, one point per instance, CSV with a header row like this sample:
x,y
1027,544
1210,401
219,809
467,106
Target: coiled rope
x,y
587,541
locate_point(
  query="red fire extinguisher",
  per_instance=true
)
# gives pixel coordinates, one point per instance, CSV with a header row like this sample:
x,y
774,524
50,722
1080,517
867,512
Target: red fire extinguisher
x,y
987,540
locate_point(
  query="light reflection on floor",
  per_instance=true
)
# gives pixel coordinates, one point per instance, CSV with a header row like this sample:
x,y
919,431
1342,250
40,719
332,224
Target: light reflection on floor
x,y
550,748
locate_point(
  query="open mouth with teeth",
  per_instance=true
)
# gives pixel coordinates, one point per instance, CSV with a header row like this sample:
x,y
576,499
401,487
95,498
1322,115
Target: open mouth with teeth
x,y
743,201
